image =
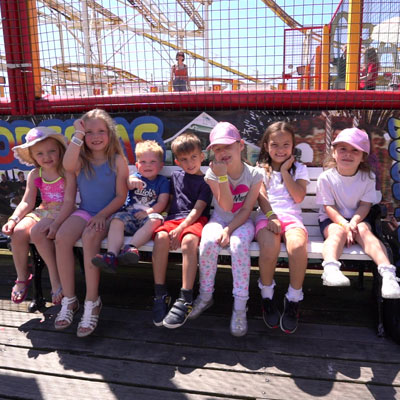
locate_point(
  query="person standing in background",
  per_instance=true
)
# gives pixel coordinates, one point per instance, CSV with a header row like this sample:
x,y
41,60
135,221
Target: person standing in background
x,y
179,74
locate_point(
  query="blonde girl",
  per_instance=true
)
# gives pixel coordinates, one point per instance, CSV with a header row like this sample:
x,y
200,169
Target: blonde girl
x,y
346,191
95,156
235,186
44,149
279,218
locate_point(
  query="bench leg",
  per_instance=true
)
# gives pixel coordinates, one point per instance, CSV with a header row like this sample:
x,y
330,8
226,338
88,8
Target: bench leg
x,y
38,302
377,285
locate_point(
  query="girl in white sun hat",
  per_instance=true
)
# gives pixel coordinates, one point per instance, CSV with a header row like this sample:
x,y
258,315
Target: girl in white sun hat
x,y
44,149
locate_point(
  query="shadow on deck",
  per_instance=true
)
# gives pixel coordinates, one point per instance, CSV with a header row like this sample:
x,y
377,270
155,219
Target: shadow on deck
x,y
334,354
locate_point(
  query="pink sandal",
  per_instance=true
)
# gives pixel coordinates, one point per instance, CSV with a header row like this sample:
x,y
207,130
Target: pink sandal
x,y
18,296
57,296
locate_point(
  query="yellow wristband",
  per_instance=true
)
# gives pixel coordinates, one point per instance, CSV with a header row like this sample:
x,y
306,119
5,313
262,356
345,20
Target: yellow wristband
x,y
343,224
269,213
223,178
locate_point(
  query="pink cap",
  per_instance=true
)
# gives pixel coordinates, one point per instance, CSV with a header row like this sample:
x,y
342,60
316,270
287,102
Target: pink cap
x,y
224,133
355,137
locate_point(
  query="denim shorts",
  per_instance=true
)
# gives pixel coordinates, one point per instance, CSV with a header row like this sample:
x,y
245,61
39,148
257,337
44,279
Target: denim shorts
x,y
132,224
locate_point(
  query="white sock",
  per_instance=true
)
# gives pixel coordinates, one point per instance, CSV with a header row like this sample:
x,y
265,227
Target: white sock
x,y
267,292
331,264
239,303
206,296
387,269
295,295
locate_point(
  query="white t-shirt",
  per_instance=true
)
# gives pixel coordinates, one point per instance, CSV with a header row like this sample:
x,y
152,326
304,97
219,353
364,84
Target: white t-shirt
x,y
280,199
344,192
239,187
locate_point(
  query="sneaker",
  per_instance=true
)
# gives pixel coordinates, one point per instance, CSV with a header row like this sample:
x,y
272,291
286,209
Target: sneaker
x,y
390,286
290,317
199,305
129,255
271,315
107,262
238,322
333,276
178,314
160,309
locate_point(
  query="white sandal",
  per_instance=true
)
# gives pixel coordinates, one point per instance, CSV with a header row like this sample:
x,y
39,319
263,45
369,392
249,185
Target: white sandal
x,y
89,320
66,314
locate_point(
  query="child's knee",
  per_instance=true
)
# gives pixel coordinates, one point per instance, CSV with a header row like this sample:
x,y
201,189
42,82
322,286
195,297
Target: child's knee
x,y
190,242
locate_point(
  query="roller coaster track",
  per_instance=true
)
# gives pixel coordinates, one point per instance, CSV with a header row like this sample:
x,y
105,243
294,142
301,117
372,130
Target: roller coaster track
x,y
193,14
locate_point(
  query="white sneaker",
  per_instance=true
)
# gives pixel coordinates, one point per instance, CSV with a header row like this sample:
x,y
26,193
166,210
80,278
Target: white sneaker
x,y
390,286
238,322
332,276
200,305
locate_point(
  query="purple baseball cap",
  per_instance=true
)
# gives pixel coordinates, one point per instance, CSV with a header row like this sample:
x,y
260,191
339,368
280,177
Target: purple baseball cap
x,y
355,137
224,133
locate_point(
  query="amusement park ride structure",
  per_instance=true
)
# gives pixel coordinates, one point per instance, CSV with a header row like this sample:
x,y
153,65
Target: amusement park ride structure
x,y
91,72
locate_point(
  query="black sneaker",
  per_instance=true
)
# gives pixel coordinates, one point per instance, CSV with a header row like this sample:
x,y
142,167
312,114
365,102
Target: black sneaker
x,y
178,314
160,309
290,316
271,315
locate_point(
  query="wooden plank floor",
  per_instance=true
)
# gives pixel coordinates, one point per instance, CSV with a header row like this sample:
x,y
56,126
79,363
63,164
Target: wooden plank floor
x,y
335,354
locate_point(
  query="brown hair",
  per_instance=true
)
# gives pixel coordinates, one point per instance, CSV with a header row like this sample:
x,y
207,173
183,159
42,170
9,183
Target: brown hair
x,y
113,148
61,148
149,145
264,159
185,143
330,162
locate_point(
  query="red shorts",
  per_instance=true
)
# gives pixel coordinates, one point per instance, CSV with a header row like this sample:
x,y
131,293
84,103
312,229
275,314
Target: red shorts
x,y
196,228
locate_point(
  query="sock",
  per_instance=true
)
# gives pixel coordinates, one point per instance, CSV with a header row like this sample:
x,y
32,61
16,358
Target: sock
x,y
294,295
239,303
267,292
160,290
332,264
187,295
386,269
206,296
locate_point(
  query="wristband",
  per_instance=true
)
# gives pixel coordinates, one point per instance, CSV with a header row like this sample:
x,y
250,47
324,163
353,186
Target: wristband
x,y
81,132
269,213
223,178
343,224
77,141
15,219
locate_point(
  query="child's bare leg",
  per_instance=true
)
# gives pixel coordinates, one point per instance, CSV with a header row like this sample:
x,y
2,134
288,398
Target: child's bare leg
x,y
372,245
115,238
190,246
296,245
20,249
160,257
69,232
46,250
269,244
144,234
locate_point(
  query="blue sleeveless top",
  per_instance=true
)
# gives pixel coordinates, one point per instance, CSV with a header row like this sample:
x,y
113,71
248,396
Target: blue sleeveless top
x,y
98,190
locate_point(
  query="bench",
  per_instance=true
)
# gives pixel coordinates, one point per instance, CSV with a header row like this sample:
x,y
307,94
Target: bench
x,y
353,257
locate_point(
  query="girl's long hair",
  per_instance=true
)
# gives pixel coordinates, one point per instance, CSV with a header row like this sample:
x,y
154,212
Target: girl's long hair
x,y
114,145
264,159
62,149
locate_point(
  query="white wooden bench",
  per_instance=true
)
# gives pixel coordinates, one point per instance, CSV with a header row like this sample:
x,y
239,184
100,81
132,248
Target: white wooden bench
x,y
310,219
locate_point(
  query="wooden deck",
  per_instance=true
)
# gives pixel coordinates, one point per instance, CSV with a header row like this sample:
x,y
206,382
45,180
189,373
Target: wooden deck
x,y
335,354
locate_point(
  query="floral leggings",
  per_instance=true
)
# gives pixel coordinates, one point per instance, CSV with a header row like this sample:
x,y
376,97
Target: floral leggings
x,y
239,248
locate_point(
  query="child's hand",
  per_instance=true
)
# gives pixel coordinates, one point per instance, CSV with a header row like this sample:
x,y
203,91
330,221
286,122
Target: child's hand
x,y
274,226
135,183
140,215
219,168
224,239
174,242
286,165
98,222
52,230
79,125
8,228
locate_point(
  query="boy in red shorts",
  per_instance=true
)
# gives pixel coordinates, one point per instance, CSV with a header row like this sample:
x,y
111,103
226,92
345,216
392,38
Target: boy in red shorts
x,y
188,213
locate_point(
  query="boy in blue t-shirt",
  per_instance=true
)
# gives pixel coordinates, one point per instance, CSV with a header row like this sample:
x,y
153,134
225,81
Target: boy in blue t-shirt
x,y
141,214
188,213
